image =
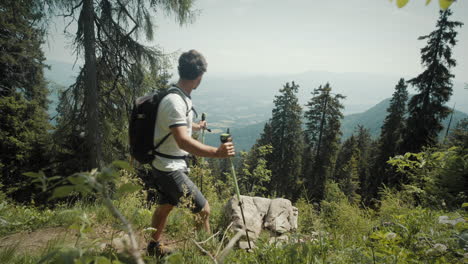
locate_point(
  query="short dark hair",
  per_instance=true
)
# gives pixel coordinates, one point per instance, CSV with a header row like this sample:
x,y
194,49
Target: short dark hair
x,y
192,64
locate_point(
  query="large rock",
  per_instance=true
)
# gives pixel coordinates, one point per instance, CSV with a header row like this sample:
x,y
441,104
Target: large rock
x,y
277,215
281,217
446,220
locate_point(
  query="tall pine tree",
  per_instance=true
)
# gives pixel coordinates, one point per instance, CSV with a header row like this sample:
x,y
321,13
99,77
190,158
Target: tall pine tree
x,y
427,109
24,137
364,144
286,140
346,169
115,65
322,136
391,137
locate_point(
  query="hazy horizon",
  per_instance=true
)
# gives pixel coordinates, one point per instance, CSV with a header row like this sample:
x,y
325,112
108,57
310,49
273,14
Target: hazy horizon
x,y
255,37
362,90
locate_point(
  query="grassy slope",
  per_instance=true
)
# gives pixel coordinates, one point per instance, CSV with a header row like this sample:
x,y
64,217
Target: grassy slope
x,y
340,233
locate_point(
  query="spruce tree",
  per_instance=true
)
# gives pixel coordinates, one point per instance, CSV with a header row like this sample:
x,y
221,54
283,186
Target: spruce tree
x,y
390,140
364,144
322,135
24,138
254,175
349,184
264,140
286,140
115,65
459,135
434,84
345,153
346,169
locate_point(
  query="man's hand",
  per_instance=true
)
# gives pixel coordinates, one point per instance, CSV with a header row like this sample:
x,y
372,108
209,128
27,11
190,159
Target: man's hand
x,y
187,143
199,126
226,150
202,124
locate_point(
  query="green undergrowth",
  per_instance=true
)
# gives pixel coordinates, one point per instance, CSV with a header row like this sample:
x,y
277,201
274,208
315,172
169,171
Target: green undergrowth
x,y
334,231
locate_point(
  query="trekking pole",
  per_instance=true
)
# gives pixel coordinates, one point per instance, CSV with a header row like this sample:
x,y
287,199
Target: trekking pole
x,y
226,137
203,118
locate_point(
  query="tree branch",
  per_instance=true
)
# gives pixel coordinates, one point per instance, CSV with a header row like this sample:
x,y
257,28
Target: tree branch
x,y
131,18
204,251
222,239
229,246
133,243
72,11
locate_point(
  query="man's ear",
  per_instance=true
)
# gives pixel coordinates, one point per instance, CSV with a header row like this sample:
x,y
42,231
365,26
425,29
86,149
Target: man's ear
x,y
198,80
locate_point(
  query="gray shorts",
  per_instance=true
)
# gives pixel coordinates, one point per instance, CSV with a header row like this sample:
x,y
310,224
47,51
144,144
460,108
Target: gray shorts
x,y
174,185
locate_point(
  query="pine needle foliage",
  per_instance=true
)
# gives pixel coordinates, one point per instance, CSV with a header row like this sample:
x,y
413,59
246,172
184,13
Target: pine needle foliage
x,y
434,85
286,141
24,126
96,107
322,136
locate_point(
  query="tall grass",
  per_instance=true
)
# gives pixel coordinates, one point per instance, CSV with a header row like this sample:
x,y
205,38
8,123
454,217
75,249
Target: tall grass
x,y
334,231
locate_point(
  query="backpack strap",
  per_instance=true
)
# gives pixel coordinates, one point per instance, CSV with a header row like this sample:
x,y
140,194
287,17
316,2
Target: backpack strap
x,y
165,155
176,90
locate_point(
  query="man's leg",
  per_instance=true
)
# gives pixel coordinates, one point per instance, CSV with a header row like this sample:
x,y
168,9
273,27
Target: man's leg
x,y
205,217
159,219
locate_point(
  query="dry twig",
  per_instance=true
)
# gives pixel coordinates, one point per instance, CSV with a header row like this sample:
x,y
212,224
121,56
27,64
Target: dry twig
x,y
204,251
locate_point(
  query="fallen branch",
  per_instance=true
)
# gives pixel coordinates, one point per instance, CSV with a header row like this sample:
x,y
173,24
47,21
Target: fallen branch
x,y
222,239
204,251
134,251
208,239
229,246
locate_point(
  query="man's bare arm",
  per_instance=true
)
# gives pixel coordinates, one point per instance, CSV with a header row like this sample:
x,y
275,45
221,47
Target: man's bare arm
x,y
187,143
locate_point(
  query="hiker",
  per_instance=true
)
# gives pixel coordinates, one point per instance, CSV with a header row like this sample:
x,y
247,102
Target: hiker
x,y
170,174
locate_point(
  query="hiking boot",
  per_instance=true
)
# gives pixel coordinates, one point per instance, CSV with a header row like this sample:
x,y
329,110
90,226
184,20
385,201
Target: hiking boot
x,y
158,249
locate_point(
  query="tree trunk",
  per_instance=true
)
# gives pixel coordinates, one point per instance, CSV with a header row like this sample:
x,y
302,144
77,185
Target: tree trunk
x,y
91,88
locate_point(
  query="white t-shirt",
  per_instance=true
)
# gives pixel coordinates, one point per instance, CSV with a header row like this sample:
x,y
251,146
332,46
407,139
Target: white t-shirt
x,y
172,111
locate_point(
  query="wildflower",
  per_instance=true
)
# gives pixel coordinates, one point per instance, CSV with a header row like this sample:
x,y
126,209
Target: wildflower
x,y
440,247
390,236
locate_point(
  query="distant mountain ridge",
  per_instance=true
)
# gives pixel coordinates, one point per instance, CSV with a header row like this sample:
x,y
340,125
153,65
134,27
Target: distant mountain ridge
x,y
372,119
244,103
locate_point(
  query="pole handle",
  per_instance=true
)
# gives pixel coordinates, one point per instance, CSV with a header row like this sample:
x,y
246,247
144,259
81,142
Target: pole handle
x,y
225,137
203,118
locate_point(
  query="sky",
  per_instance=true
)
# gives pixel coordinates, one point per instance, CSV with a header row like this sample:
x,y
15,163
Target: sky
x,y
268,37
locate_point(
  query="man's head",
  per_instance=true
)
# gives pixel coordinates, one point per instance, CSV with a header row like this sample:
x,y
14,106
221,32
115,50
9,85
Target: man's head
x,y
192,65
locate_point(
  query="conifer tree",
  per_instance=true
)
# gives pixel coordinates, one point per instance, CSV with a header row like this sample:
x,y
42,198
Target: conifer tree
x,y
254,175
266,137
345,153
434,84
322,134
115,64
286,140
364,159
349,184
24,137
391,137
346,169
264,140
459,135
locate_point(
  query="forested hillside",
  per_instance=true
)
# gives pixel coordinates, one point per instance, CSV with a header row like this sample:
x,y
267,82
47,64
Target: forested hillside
x,y
384,183
371,119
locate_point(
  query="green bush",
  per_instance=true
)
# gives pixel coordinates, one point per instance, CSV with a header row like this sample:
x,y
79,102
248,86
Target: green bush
x,y
437,178
346,221
308,220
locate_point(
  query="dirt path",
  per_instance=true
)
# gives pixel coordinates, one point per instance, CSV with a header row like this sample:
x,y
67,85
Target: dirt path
x,y
37,241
